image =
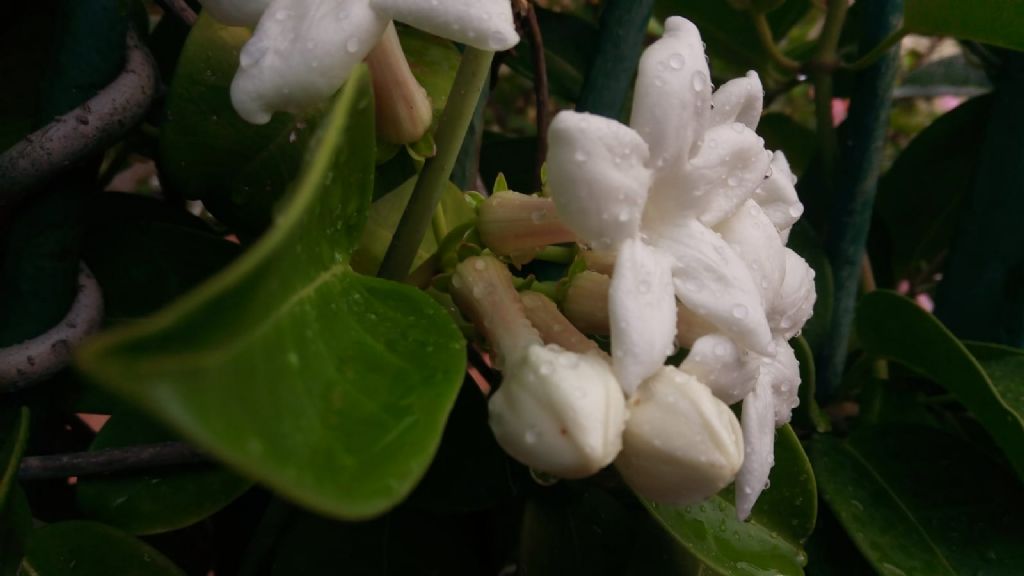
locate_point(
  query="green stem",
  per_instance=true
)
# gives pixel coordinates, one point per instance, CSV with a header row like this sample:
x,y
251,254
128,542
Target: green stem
x,y
473,73
765,35
611,73
823,65
853,202
878,51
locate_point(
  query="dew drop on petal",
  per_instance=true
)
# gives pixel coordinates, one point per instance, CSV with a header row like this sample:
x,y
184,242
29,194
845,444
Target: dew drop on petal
x,y
352,45
581,156
700,82
739,311
676,61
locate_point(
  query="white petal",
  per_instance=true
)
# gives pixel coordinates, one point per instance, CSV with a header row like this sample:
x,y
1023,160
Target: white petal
x,y
728,370
794,304
758,421
681,444
559,412
714,283
739,100
597,176
483,24
753,237
300,54
642,313
731,163
690,327
236,12
777,196
782,372
672,97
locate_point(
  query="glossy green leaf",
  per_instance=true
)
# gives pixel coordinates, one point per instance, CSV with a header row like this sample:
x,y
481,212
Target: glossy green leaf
x,y
92,549
808,414
923,344
918,501
920,198
997,22
145,253
158,500
771,541
330,387
1004,367
951,76
805,242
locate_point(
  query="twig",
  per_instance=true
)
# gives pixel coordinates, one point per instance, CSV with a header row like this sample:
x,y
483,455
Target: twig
x,y
48,353
540,87
179,8
764,35
110,461
89,128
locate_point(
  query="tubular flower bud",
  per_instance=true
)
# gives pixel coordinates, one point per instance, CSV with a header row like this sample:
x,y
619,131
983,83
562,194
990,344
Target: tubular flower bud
x,y
518,225
557,411
586,303
555,328
401,105
681,444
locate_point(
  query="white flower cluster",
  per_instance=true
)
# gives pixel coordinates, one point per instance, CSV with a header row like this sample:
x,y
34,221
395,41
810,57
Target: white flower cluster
x,y
302,51
698,213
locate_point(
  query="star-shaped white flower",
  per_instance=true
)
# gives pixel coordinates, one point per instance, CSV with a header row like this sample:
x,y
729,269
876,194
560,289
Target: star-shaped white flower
x,y
698,211
302,51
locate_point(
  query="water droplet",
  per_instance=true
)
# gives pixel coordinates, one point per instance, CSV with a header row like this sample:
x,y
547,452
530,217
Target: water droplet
x,y
733,180
644,287
479,265
352,45
676,61
537,216
530,437
740,311
796,210
721,349
581,156
281,15
546,369
624,215
700,81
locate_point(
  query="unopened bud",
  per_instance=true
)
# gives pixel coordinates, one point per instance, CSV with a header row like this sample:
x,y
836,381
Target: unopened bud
x,y
681,444
518,225
600,262
586,303
555,328
403,110
559,412
690,327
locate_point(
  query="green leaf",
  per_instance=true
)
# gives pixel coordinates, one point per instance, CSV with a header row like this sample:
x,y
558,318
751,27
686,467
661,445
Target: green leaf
x,y
808,414
330,387
918,501
1004,367
771,541
780,132
239,170
997,22
433,62
923,344
92,549
920,199
804,241
951,76
157,501
145,253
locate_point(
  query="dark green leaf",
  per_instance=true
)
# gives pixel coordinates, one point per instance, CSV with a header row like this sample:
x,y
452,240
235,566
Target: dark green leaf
x,y
996,22
924,345
804,241
952,76
917,501
780,132
770,542
146,253
569,46
1004,367
330,387
808,414
920,198
156,501
208,152
92,549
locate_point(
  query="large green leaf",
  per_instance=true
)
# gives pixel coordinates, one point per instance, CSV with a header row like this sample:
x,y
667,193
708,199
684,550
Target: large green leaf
x,y
158,500
951,76
918,501
569,46
923,344
996,22
920,199
330,387
208,152
771,541
1004,367
92,549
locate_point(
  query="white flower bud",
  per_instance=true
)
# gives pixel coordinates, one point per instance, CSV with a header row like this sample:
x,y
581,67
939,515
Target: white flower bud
x,y
794,303
559,412
681,444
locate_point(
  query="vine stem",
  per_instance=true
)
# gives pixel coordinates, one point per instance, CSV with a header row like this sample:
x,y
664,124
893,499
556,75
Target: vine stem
x,y
474,70
823,65
110,461
767,39
541,92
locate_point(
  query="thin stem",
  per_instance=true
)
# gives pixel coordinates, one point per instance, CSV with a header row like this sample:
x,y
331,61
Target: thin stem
x,y
765,36
541,93
110,461
556,254
878,51
474,71
823,65
179,8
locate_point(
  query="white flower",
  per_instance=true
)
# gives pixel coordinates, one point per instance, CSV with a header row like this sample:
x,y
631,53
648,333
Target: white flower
x,y
558,411
302,51
681,444
698,211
